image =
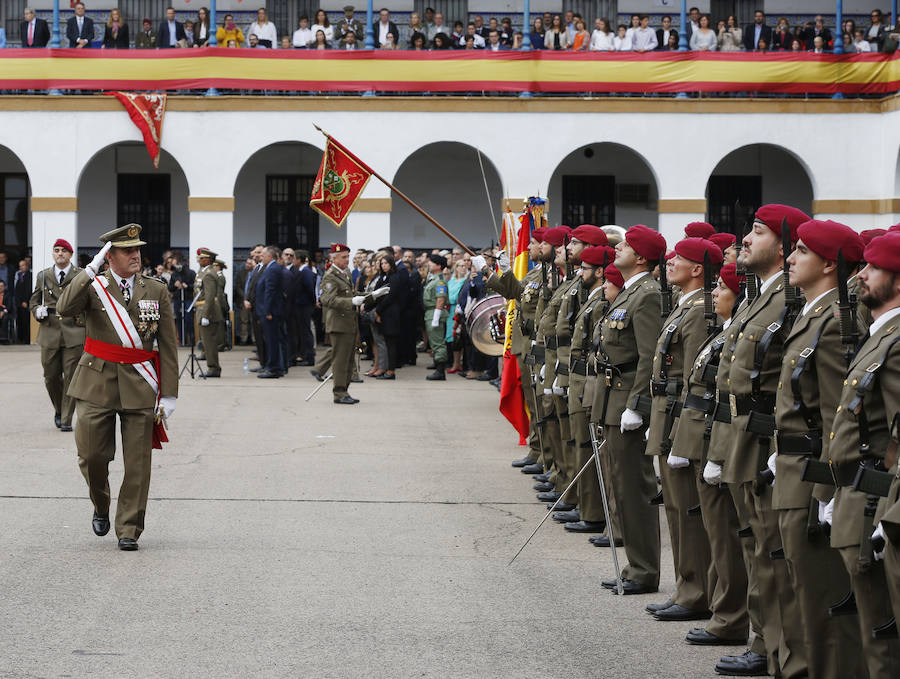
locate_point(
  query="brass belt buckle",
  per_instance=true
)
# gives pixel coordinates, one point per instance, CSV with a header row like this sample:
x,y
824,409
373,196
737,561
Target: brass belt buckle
x,y
609,377
732,402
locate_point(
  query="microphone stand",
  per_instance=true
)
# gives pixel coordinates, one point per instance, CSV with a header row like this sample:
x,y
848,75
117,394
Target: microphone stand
x,y
192,359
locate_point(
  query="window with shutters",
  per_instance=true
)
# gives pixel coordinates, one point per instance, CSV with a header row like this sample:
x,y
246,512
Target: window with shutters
x,y
14,210
290,221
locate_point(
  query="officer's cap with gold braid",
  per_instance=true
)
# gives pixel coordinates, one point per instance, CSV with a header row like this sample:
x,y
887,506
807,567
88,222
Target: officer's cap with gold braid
x,y
206,252
128,236
221,263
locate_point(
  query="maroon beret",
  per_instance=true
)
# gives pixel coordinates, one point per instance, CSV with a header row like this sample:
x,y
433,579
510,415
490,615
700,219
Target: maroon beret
x,y
339,247
538,234
614,276
597,256
895,227
556,236
723,240
826,238
63,243
590,234
884,251
869,234
694,249
670,255
773,214
699,230
646,242
728,274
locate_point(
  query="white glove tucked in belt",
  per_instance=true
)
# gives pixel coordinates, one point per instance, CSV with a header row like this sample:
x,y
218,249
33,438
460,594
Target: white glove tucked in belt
x,y
631,420
357,300
879,533
204,322
558,390
770,463
676,462
826,511
712,473
40,312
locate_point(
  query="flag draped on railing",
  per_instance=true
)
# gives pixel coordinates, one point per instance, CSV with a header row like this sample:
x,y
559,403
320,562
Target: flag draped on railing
x,y
146,112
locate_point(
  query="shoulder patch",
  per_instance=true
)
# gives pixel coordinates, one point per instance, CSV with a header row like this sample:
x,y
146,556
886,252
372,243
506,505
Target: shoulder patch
x,y
328,285
441,288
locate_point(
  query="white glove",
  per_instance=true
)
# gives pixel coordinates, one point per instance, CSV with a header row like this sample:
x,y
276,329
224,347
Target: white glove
x,y
503,261
166,407
879,533
558,390
478,263
40,312
381,292
94,267
826,511
770,463
712,473
357,300
204,322
436,318
630,420
676,462
548,392
542,370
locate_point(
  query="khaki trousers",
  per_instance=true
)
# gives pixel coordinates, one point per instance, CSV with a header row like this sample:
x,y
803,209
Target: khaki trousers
x,y
566,463
59,365
208,335
343,347
748,550
95,438
587,495
534,445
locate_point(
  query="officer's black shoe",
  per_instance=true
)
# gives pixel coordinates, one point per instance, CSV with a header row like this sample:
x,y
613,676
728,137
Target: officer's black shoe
x,y
317,375
632,587
679,613
700,637
65,427
654,608
543,487
603,541
748,664
567,517
586,526
303,363
347,400
438,374
268,374
57,420
210,374
533,468
484,377
540,478
608,584
128,544
524,462
562,506
357,380
258,369
100,524
550,496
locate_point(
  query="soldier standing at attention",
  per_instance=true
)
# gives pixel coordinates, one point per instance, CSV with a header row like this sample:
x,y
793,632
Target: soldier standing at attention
x,y
61,339
208,310
435,298
121,374
220,267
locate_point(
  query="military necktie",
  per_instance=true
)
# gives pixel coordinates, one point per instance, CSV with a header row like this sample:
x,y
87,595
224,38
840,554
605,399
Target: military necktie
x,y
126,291
62,275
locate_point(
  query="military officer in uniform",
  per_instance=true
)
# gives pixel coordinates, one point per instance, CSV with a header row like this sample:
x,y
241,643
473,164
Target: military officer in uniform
x,y
61,339
120,374
220,267
208,310
859,444
436,300
627,340
684,331
348,24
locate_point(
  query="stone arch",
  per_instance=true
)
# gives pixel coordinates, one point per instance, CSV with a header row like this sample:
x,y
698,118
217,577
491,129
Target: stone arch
x,y
15,211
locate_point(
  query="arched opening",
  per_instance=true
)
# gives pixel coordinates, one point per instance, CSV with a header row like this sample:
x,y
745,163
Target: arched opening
x,y
603,183
465,211
15,215
119,185
271,200
755,175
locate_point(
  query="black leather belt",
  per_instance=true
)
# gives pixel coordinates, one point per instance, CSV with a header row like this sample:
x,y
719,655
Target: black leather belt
x,y
844,474
699,403
562,369
550,342
539,353
722,412
807,443
580,367
663,388
527,326
743,405
564,341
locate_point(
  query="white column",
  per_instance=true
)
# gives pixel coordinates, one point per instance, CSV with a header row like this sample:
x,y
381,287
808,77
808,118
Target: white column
x,y
370,230
213,230
46,227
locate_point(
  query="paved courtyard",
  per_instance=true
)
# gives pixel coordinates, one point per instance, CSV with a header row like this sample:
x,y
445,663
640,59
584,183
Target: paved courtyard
x,y
294,539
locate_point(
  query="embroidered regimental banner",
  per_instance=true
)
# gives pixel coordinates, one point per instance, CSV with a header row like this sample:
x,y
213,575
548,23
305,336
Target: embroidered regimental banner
x,y
147,112
341,179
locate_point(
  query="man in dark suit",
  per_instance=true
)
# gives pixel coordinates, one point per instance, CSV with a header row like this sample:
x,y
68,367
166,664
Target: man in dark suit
x,y
170,31
22,294
80,29
34,32
241,315
250,305
289,320
757,31
304,303
383,26
270,310
662,34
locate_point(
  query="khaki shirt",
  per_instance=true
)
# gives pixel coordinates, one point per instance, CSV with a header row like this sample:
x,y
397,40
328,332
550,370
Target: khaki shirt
x,y
336,300
569,306
546,327
207,304
55,331
589,313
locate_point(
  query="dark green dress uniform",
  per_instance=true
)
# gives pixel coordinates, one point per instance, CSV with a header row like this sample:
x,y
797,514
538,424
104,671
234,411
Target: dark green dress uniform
x,y
860,436
753,382
342,324
627,339
808,393
683,333
61,340
691,438
435,289
208,307
525,294
570,298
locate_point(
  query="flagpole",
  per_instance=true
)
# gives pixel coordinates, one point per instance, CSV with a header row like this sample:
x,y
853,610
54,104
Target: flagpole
x,y
400,193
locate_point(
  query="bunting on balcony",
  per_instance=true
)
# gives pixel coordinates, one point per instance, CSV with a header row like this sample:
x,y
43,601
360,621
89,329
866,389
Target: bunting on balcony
x,y
147,112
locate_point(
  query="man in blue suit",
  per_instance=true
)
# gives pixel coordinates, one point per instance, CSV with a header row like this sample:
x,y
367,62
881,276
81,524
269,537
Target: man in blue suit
x,y
170,31
304,303
270,309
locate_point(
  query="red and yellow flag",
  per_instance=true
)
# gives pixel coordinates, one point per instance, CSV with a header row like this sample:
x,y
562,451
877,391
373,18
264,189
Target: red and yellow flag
x,y
146,112
342,178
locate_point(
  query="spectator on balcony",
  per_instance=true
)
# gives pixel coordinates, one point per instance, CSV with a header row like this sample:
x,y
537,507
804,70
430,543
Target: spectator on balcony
x,y
472,32
602,37
782,37
286,42
201,28
704,38
383,26
409,31
457,38
582,39
265,30
188,34
859,42
663,33
430,18
818,30
757,31
546,19
537,34
875,33
507,33
322,24
229,31
763,45
33,32
693,23
115,37
569,23
441,41
644,38
349,42
469,42
2,38
321,41
818,45
437,27
518,40
303,36
849,28
390,42
146,39
170,31
493,43
557,38
480,28
349,24
635,24
796,45
622,41
731,36
80,29
673,43
417,42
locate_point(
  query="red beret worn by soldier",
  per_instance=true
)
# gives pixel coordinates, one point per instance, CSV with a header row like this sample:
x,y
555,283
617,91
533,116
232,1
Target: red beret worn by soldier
x,y
699,230
339,247
670,255
728,274
723,240
884,251
646,242
694,250
590,234
773,214
538,234
595,256
63,243
827,238
556,236
614,276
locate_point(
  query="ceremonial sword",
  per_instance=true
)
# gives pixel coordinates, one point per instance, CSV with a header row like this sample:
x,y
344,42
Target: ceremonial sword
x,y
322,384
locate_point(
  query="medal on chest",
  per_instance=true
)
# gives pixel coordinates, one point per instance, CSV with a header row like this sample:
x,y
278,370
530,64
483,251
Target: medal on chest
x,y
148,318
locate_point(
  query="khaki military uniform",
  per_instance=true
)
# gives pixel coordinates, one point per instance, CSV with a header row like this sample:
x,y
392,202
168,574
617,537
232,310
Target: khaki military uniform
x,y
223,305
889,516
61,340
627,338
342,324
808,392
207,306
683,333
104,389
435,289
871,389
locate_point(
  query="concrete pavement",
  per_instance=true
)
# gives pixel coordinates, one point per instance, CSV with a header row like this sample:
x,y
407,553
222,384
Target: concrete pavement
x,y
288,539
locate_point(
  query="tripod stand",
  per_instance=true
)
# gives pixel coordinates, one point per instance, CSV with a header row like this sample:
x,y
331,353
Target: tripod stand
x,y
192,359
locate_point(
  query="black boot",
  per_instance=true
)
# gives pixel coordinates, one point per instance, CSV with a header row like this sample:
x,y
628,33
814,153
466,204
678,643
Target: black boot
x,y
438,373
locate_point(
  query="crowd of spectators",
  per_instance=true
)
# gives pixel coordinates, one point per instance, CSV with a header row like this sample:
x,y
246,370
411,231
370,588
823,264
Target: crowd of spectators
x,y
568,31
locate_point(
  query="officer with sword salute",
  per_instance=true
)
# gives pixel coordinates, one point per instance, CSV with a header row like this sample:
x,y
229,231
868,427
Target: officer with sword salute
x,y
121,374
